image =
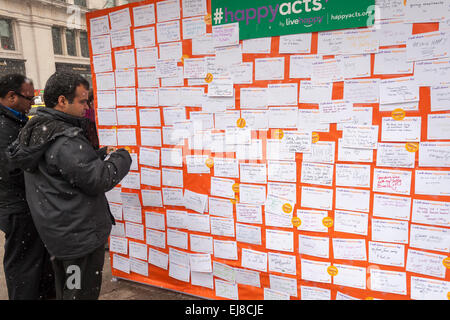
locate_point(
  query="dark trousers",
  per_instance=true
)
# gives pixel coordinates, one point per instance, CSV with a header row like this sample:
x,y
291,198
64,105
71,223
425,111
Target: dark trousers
x,y
28,271
81,278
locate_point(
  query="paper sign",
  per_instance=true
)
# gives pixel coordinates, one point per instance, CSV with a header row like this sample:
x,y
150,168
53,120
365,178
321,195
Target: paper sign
x,y
364,137
406,130
225,35
432,182
427,46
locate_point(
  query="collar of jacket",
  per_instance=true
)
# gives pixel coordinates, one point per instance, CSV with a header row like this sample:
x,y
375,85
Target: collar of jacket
x,y
13,114
62,116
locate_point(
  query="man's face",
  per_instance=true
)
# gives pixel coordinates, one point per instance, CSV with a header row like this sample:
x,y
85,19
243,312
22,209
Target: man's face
x,y
79,106
24,101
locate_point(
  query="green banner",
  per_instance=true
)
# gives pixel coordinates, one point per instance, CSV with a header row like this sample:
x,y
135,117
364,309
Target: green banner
x,y
267,18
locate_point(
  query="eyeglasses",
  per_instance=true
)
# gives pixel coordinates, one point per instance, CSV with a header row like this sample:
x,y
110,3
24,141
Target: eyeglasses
x,y
31,99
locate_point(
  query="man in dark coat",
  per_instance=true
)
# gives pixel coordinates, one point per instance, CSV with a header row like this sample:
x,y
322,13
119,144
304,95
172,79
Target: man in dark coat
x,y
66,180
26,262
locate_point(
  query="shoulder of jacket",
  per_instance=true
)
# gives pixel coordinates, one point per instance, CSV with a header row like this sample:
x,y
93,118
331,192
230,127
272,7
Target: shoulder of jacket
x,y
71,138
10,118
8,115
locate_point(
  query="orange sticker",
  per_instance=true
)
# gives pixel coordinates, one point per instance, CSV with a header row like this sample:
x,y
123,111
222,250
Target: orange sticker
x,y
448,295
287,208
296,222
446,262
209,162
185,56
278,134
240,123
209,78
327,222
369,298
128,149
412,147
315,137
207,19
234,201
398,114
235,187
332,270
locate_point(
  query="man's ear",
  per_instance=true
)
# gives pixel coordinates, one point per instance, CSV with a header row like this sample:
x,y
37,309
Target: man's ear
x,y
62,101
11,96
61,105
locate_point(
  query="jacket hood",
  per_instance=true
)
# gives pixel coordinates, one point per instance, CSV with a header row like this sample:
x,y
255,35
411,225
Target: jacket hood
x,y
39,133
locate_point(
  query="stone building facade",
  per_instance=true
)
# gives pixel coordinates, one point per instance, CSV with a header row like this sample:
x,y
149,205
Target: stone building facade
x,y
39,37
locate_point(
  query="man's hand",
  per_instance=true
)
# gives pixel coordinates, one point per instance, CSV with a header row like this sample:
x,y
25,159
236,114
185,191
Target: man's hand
x,y
110,150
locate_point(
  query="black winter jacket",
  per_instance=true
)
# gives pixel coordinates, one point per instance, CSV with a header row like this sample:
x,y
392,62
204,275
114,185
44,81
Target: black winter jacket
x,y
12,186
66,181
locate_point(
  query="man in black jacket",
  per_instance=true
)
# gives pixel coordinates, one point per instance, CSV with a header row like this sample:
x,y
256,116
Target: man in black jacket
x,y
66,180
26,262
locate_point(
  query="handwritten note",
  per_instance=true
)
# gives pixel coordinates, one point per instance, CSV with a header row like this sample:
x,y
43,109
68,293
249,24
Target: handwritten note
x,y
316,173
438,127
325,71
389,206
392,181
353,175
392,61
398,90
364,137
225,35
432,182
390,254
432,45
429,289
406,130
432,73
434,154
440,98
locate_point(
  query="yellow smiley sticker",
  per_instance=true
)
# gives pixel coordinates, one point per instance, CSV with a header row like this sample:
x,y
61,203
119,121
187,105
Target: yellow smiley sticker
x,y
398,114
296,222
287,208
209,78
240,123
278,134
332,270
207,19
412,147
209,162
315,137
446,262
327,222
235,187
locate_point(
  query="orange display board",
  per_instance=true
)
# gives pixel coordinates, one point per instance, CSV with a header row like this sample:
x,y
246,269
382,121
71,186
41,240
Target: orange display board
x,y
336,252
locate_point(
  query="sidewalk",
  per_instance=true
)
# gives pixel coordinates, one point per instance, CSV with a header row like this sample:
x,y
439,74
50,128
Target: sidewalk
x,y
111,289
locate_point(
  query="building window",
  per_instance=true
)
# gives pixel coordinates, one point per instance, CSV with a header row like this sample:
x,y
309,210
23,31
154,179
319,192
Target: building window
x,y
71,42
109,4
57,40
8,66
81,3
84,44
6,35
81,69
